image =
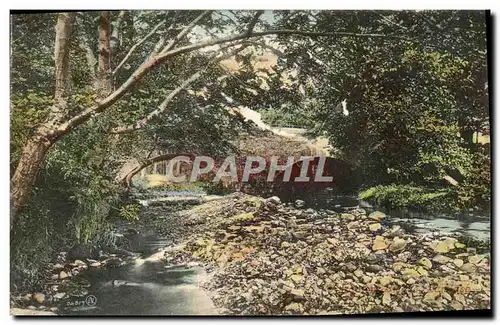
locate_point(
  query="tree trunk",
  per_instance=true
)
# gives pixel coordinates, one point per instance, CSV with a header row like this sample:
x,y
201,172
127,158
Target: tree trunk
x,y
25,176
115,40
61,58
34,151
103,83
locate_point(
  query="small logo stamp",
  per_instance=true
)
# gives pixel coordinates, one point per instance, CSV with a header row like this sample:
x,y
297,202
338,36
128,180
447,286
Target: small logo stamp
x,y
91,300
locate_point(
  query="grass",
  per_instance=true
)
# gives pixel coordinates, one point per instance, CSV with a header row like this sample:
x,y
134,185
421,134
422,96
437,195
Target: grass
x,y
406,196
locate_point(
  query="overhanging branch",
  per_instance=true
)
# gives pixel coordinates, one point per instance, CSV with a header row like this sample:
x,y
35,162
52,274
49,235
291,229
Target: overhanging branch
x,y
154,61
135,46
163,106
185,31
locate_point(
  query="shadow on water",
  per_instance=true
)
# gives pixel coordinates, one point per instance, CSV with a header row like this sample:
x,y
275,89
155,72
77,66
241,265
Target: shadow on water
x,y
475,226
143,286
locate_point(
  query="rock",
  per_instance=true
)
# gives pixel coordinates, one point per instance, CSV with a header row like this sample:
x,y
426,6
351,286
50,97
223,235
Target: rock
x,y
374,268
379,243
411,281
475,259
348,216
300,204
288,284
458,262
386,298
350,266
332,241
441,259
422,271
377,215
471,250
352,225
54,276
294,307
443,246
460,298
285,244
432,295
58,267
95,264
297,293
63,275
469,267
456,305
300,235
358,273
296,278
410,273
30,311
446,296
374,226
38,297
26,297
385,280
397,244
273,200
440,247
59,295
451,242
424,261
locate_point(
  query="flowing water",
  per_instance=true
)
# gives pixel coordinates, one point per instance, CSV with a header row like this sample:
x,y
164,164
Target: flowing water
x,y
148,286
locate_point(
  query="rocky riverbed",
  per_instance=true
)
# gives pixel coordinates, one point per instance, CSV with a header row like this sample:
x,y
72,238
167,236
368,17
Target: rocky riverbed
x,y
267,258
262,257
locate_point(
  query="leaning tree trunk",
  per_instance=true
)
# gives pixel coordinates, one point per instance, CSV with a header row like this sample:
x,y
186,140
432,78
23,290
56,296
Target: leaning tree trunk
x,y
24,178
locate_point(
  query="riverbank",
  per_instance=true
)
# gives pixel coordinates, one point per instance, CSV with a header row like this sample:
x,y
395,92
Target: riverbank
x,y
245,255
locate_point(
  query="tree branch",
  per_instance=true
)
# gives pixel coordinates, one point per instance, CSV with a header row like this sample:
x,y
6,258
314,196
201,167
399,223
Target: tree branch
x,y
135,46
150,64
253,22
185,31
163,106
222,40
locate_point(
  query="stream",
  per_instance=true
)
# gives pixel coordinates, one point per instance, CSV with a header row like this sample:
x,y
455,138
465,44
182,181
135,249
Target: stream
x,y
146,285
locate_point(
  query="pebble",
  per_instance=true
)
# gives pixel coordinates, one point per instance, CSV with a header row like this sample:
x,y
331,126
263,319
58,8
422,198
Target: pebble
x,y
38,297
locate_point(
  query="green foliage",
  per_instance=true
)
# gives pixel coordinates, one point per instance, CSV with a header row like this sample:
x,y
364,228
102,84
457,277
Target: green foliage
x,y
414,102
27,112
72,201
212,188
286,116
415,98
406,196
130,212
